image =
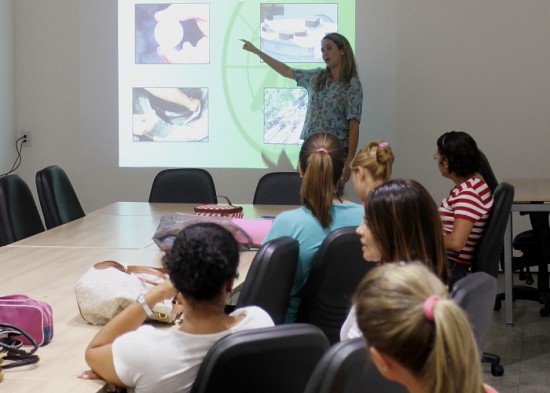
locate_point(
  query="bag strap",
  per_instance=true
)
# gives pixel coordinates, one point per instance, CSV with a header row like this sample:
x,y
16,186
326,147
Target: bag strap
x,y
14,346
134,269
226,198
19,361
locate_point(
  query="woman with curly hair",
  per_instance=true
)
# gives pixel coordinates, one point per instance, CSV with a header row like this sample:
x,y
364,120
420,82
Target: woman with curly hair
x,y
202,266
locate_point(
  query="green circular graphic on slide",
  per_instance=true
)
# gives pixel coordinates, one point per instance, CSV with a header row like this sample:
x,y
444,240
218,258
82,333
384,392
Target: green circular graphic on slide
x,y
250,72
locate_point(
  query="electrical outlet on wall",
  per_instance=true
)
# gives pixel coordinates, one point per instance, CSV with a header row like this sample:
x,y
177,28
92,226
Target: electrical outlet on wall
x,y
27,135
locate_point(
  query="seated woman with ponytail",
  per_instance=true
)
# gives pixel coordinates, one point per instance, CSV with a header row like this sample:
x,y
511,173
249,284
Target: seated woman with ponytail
x,y
321,162
415,334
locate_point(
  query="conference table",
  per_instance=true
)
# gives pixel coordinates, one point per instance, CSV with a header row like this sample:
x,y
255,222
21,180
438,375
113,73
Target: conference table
x,y
530,195
46,267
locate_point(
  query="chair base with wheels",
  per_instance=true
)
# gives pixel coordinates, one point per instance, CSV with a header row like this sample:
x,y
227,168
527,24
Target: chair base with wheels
x,y
497,370
474,294
535,250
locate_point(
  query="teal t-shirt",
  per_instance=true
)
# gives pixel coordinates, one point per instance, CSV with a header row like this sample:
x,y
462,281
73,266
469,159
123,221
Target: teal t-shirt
x,y
303,226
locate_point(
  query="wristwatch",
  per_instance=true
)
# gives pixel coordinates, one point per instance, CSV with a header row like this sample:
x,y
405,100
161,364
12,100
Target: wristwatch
x,y
141,300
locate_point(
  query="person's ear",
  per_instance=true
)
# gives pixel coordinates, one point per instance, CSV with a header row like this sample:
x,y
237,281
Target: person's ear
x,y
388,367
380,360
229,286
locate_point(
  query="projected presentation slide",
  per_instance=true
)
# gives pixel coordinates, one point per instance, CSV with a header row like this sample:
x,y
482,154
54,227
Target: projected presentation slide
x,y
190,96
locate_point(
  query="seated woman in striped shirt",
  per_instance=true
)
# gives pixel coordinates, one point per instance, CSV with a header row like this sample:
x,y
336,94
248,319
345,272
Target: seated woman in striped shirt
x,y
465,210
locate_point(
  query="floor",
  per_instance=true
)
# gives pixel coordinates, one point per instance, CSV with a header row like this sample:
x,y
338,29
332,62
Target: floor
x,y
524,348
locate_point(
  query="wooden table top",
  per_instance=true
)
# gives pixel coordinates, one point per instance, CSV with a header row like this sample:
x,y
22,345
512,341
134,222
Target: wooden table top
x,y
159,209
530,190
47,266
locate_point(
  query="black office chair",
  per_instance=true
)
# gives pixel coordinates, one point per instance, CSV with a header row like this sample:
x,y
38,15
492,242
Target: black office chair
x,y
534,245
474,294
183,185
57,197
19,217
270,278
269,360
336,270
486,171
278,188
490,246
347,368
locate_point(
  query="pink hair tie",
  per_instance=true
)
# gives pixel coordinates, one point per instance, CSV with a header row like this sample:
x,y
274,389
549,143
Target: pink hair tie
x,y
321,150
383,144
429,307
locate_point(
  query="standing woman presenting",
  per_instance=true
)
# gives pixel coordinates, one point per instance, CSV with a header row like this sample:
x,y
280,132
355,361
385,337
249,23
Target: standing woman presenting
x,y
335,93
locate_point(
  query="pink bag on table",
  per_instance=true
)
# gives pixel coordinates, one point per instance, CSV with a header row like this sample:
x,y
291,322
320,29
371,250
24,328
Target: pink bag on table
x,y
33,316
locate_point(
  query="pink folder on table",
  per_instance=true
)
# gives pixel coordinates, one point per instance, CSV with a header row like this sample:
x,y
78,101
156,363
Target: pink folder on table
x,y
257,228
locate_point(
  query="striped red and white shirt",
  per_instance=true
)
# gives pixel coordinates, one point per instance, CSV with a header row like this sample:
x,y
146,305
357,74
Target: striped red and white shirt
x,y
472,201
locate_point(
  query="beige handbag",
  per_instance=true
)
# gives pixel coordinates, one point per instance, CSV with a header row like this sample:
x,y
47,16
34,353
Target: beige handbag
x,y
109,287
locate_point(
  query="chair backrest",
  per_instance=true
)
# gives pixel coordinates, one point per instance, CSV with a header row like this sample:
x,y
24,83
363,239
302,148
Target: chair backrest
x,y
475,294
270,278
57,197
489,248
19,217
336,270
347,368
487,172
269,360
183,185
278,188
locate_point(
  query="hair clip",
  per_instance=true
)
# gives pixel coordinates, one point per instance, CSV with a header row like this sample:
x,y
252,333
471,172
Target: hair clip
x,y
383,144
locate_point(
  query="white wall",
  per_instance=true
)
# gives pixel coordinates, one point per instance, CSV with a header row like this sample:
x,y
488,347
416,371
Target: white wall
x,y
427,66
7,86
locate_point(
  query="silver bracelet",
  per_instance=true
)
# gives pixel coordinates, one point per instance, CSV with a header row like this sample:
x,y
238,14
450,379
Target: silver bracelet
x,y
141,300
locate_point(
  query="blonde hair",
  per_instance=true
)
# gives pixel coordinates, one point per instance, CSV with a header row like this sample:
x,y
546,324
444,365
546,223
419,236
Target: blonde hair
x,y
441,353
377,158
322,163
